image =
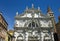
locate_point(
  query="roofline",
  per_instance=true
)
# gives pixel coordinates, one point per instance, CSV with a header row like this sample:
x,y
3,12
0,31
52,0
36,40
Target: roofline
x,y
4,19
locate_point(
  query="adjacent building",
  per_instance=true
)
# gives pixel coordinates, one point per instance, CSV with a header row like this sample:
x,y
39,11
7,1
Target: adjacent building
x,y
4,35
33,25
3,28
58,28
11,32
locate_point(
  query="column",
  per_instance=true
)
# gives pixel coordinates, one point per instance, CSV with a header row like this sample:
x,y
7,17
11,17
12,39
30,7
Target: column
x,y
52,39
24,33
26,36
40,36
52,36
15,38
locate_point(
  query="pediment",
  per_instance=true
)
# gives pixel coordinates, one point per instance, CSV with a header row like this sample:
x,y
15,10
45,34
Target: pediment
x,y
30,15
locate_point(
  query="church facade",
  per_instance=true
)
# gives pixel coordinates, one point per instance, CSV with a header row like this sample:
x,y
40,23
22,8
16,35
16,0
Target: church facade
x,y
32,25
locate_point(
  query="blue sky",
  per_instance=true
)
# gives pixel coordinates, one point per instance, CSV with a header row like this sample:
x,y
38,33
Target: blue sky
x,y
10,7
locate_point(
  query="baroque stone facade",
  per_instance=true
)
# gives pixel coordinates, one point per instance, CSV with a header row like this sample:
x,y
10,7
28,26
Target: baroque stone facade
x,y
32,25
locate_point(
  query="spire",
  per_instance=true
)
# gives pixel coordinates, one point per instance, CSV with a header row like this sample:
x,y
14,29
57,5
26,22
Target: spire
x,y
49,9
32,5
49,12
26,7
16,13
38,8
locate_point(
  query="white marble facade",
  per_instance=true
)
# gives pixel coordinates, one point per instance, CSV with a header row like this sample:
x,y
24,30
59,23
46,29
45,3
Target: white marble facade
x,y
32,25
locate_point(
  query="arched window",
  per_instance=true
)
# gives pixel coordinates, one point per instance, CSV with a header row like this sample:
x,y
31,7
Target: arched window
x,y
20,37
33,24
